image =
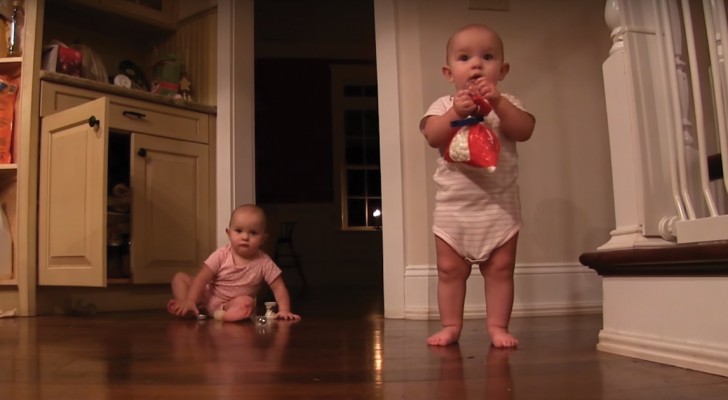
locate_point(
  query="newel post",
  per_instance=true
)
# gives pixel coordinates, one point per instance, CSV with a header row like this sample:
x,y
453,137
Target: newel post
x,y
631,109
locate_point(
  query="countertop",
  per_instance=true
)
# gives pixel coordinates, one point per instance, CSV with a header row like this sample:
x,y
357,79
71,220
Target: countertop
x,y
122,91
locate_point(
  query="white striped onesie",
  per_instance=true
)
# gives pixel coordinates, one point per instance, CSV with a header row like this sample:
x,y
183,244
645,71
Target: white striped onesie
x,y
477,211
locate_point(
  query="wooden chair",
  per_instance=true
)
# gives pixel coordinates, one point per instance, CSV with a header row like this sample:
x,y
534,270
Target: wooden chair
x,y
285,253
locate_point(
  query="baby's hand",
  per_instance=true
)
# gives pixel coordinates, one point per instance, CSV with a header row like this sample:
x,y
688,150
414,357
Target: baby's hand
x,y
185,308
288,315
487,89
463,104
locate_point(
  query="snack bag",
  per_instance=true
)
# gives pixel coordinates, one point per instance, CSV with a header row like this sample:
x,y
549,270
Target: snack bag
x,y
474,144
8,92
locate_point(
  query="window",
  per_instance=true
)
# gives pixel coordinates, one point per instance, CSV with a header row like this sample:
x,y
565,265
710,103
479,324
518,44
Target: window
x,y
356,146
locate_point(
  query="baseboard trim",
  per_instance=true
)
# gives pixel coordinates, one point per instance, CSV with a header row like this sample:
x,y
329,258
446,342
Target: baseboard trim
x,y
531,310
698,357
552,310
425,270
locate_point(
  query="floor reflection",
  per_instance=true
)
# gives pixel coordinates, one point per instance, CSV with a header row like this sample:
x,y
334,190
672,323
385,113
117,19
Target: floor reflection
x,y
145,355
498,380
452,379
451,383
231,353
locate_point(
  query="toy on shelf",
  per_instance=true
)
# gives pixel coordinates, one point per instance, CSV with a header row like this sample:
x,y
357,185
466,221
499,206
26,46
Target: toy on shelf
x,y
473,142
185,88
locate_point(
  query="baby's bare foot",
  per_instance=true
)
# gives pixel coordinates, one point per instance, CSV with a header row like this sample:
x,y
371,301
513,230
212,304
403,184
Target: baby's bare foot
x,y
173,307
500,338
445,337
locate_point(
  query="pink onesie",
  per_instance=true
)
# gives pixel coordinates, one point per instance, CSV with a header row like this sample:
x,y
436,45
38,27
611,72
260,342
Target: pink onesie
x,y
232,281
477,211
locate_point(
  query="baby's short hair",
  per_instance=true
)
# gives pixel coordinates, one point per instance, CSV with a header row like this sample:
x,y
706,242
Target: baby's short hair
x,y
250,208
473,26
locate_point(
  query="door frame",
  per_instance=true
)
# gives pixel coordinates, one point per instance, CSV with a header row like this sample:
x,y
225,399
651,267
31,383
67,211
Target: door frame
x,y
235,158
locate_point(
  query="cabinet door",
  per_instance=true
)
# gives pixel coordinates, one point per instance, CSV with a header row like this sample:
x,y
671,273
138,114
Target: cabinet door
x,y
72,213
170,207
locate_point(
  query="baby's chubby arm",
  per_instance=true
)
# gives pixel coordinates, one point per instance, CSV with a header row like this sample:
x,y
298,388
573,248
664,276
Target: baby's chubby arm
x,y
283,299
437,129
516,124
197,288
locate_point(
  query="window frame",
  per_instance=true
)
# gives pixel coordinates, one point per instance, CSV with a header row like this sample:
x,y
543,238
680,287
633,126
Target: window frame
x,y
363,76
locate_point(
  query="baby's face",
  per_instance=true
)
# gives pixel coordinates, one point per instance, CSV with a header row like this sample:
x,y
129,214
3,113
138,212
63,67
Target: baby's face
x,y
246,233
473,53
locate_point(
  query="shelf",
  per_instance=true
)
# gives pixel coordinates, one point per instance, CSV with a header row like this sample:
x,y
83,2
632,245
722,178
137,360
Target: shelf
x,y
11,60
8,173
8,282
11,66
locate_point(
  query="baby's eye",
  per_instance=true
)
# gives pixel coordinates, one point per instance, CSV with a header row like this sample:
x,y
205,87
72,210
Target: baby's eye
x,y
488,57
253,233
238,230
463,57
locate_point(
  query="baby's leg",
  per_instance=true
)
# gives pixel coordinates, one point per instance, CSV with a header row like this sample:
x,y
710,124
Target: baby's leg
x,y
237,309
452,273
181,283
498,277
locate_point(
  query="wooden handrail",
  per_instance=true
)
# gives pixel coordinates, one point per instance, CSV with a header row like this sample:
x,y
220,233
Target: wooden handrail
x,y
694,259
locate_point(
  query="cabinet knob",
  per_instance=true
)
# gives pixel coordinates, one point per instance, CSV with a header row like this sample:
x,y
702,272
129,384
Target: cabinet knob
x,y
142,152
93,122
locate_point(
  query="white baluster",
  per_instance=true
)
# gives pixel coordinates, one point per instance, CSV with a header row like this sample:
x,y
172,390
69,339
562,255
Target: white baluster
x,y
638,114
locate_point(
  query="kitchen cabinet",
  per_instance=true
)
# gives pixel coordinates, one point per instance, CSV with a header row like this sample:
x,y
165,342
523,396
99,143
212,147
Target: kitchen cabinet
x,y
161,152
61,238
154,12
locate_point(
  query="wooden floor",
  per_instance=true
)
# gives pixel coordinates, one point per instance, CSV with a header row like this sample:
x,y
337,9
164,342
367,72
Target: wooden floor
x,y
342,349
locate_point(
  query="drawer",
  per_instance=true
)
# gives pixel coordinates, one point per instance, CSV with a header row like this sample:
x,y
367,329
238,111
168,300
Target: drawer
x,y
134,116
131,115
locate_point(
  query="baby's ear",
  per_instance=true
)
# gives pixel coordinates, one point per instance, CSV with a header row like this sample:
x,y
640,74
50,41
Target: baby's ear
x,y
447,73
504,71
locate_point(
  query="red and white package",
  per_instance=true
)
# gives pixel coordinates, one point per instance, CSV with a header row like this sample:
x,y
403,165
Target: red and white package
x,y
476,145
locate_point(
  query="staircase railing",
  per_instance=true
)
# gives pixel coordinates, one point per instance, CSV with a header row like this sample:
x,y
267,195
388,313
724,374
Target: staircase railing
x,y
666,87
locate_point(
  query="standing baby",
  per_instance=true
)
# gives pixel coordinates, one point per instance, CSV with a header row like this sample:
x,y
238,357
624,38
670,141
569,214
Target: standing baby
x,y
477,213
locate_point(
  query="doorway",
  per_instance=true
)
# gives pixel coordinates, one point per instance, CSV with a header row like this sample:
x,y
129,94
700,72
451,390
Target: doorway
x,y
301,156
